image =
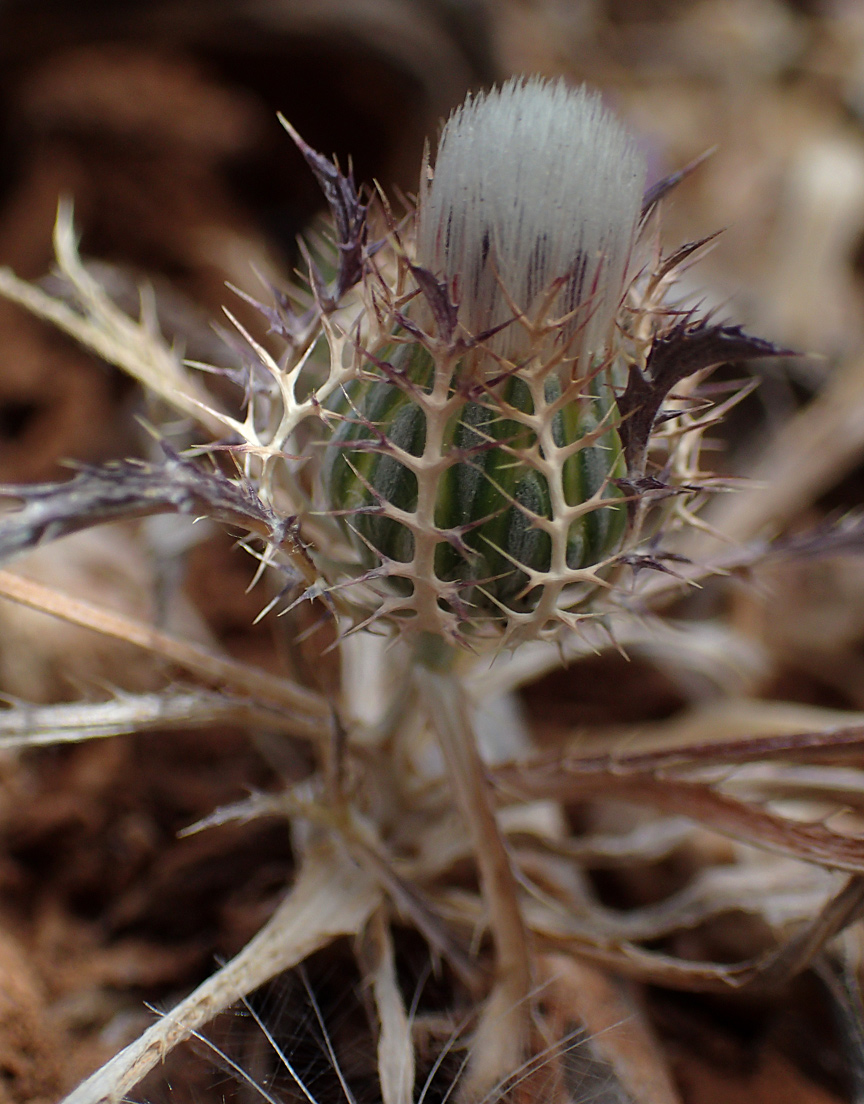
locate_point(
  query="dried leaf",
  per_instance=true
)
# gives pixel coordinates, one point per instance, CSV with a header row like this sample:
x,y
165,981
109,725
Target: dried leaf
x,y
686,348
781,892
99,324
349,215
563,779
132,488
833,743
768,971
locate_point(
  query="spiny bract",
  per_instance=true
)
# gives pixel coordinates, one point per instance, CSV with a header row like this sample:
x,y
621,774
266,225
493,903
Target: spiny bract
x,y
476,461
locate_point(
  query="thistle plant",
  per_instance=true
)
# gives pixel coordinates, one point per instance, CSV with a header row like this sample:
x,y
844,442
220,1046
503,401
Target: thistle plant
x,y
481,419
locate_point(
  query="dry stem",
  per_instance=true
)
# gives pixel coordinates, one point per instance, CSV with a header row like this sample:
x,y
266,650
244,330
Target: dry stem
x,y
448,711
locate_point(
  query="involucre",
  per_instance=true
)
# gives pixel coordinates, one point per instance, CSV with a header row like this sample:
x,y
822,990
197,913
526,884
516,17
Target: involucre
x,y
477,462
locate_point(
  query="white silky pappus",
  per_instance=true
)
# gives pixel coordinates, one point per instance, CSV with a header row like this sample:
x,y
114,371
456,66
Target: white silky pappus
x,y
533,182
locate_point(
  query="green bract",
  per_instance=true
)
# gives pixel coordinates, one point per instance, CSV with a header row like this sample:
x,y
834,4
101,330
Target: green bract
x,y
513,480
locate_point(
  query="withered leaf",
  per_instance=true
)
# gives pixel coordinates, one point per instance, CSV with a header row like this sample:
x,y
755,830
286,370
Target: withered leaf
x,y
129,489
686,348
561,780
771,969
349,214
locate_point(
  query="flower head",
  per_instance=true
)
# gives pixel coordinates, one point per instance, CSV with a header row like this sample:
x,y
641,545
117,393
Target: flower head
x,y
534,203
486,493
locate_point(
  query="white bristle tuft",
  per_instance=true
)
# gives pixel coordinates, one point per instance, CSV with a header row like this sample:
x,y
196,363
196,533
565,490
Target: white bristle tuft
x,y
533,182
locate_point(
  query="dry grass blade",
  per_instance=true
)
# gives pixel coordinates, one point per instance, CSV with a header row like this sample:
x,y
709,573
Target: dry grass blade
x,y
45,725
309,710
699,801
331,897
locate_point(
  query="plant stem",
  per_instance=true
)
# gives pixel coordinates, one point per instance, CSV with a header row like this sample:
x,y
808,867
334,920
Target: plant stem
x,y
449,712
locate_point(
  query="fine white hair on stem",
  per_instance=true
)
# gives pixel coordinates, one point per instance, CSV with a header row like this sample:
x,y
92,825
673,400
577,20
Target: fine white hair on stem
x,y
534,182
